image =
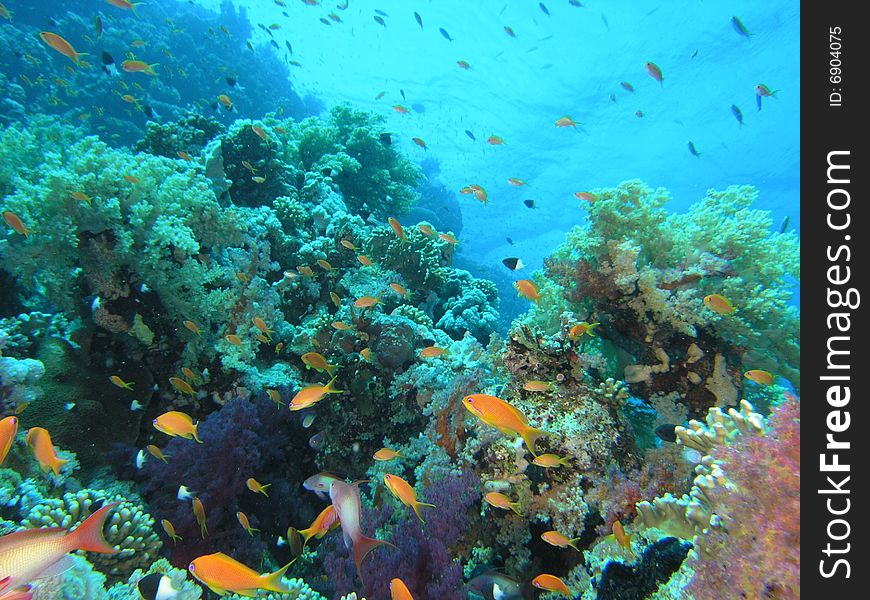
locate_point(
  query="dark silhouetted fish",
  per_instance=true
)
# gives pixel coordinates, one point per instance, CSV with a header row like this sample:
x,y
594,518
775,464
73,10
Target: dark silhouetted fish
x,y
109,64
289,47
693,150
445,34
666,432
471,135
157,586
386,139
544,8
784,225
274,43
403,93
231,81
419,19
740,28
513,263
509,241
529,203
735,110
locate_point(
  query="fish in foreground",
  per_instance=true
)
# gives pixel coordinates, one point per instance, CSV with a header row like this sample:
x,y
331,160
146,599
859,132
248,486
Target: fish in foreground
x,y
497,413
257,487
499,500
759,376
551,583
719,304
513,263
345,499
39,441
496,586
319,484
548,461
15,222
177,424
399,591
527,289
402,490
8,429
312,394
57,43
323,523
554,538
32,554
157,586
222,574
199,513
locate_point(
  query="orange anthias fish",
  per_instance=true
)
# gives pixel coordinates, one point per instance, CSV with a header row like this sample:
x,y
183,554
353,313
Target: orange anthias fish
x,y
260,324
225,101
516,181
566,121
399,289
554,538
449,238
400,109
345,499
495,140
316,361
176,424
341,326
126,4
759,376
121,383
245,523
15,222
199,514
336,299
621,537
551,583
402,490
325,264
497,413
312,394
419,142
55,42
182,386
233,339
463,64
399,591
257,487
169,528
8,429
719,304
386,454
364,260
654,71
499,500
32,554
528,290
348,244
261,133
426,230
274,396
587,196
581,329
397,228
535,385
548,461
39,441
326,520
223,574
433,351
139,66
156,452
366,302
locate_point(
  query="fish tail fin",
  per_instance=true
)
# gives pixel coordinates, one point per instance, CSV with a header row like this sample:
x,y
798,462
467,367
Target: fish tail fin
x,y
272,581
264,489
195,434
531,435
573,544
362,546
56,465
515,506
329,389
330,369
417,506
89,535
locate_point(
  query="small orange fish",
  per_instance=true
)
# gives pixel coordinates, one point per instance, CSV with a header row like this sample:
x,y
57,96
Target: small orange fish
x,y
176,424
278,347
225,101
223,574
366,302
449,238
169,528
125,4
184,156
247,164
316,361
335,299
426,230
182,386
8,429
138,43
260,324
399,289
551,583
400,109
261,133
402,490
621,537
366,354
305,271
497,413
581,329
463,64
57,43
554,538
139,66
527,289
131,179
565,122
156,452
719,304
312,394
274,396
433,351
233,339
654,71
189,374
242,277
495,140
129,98
537,386
397,228
121,383
257,487
81,197
323,522
548,461
245,523
348,244
399,591
587,196
15,222
39,441
499,500
325,264
419,142
199,513
4,12
386,454
364,260
516,182
341,326
759,376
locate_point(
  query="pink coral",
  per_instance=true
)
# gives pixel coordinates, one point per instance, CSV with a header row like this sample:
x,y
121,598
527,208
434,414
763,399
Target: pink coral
x,y
756,553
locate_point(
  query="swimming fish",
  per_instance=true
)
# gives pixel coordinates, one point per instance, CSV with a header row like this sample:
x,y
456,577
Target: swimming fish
x,y
667,432
527,289
319,484
402,490
312,394
157,586
15,222
551,583
513,263
345,499
433,351
257,487
419,19
184,494
176,424
182,386
581,329
245,523
199,513
445,34
565,121
627,86
740,28
543,8
419,142
535,385
464,64
654,71
554,538
59,44
509,30
156,452
222,574
735,110
587,196
169,528
548,461
759,376
397,228
40,443
399,591
274,396
495,140
323,522
139,66
121,383
31,554
385,454
125,4
621,537
516,182
366,302
497,413
470,134
316,361
399,289
719,304
8,429
496,586
233,339
380,20
499,500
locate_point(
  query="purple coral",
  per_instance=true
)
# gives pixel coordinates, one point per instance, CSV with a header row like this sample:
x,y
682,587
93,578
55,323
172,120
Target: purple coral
x,y
425,557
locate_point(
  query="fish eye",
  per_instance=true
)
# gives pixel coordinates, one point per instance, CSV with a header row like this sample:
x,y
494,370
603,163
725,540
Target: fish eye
x,y
191,567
